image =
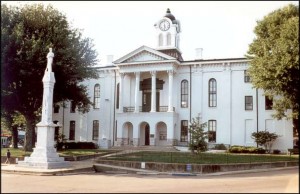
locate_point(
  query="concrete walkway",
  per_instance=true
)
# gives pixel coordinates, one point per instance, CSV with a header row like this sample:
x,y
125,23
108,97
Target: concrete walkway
x,y
75,167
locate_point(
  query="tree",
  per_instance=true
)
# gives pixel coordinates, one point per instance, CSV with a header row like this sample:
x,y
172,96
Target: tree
x,y
27,33
265,138
11,121
274,59
198,136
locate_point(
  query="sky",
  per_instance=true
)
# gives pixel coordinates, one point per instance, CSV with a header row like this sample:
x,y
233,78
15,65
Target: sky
x,y
223,29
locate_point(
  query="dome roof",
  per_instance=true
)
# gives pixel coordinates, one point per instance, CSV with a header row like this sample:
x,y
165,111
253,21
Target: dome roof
x,y
169,15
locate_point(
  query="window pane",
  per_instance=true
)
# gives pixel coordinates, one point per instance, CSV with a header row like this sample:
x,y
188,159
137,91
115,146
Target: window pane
x,y
268,103
73,107
248,103
212,93
212,126
95,129
184,131
72,130
97,96
184,94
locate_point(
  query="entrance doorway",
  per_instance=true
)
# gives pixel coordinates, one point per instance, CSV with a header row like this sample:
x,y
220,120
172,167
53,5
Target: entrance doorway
x,y
147,134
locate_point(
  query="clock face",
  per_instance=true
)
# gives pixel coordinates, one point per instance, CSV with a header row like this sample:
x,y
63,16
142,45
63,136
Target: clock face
x,y
164,25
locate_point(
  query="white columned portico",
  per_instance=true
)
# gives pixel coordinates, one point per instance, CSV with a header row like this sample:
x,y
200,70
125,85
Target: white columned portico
x,y
153,91
137,92
170,107
121,92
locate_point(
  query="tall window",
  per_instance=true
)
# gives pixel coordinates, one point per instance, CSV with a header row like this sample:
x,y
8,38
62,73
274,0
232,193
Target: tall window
x,y
246,77
72,107
248,103
268,103
184,131
56,131
160,40
72,130
212,93
168,39
97,96
56,108
212,126
184,93
118,95
95,129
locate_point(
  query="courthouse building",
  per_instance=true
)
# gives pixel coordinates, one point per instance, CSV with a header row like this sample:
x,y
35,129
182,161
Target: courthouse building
x,y
150,96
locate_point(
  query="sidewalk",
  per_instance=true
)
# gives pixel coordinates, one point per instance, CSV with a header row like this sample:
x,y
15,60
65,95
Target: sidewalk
x,y
75,167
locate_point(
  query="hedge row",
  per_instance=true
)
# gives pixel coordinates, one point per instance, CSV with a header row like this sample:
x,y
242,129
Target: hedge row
x,y
246,149
76,145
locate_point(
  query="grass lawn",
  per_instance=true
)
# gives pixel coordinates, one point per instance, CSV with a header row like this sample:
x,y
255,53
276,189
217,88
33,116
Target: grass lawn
x,y
202,158
170,157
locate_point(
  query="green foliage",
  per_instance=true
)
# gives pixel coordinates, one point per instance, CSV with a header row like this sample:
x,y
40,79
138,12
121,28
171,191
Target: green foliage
x,y
198,136
220,147
264,138
274,55
27,33
246,149
60,140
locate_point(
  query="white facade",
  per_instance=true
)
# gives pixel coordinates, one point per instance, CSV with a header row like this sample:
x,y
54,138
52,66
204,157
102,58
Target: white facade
x,y
134,112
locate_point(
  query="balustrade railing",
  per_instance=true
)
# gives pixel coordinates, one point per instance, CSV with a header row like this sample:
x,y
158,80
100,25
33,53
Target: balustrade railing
x,y
146,109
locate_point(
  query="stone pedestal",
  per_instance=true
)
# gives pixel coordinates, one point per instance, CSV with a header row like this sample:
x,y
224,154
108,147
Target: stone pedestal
x,y
44,155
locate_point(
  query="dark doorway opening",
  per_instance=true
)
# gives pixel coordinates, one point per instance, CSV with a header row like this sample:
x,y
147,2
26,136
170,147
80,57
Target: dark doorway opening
x,y
147,134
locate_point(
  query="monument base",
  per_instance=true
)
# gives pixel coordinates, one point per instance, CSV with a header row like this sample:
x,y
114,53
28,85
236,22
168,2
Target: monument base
x,y
44,158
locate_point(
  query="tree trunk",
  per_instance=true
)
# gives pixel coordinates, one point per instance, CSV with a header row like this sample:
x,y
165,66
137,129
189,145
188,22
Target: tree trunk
x,y
15,136
29,134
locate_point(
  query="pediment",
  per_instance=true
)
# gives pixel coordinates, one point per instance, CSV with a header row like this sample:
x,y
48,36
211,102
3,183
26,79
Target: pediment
x,y
144,54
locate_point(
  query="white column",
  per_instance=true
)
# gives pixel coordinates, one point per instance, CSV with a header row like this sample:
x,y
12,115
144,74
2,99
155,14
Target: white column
x,y
153,91
170,107
121,92
137,92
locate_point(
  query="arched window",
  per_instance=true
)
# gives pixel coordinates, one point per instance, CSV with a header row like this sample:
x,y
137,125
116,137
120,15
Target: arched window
x,y
212,93
160,40
168,39
97,96
184,94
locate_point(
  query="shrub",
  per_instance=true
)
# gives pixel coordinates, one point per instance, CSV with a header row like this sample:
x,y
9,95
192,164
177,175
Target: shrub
x,y
276,151
220,147
265,138
80,145
260,150
246,149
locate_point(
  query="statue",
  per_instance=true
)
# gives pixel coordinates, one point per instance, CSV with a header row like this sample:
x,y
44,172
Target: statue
x,y
50,56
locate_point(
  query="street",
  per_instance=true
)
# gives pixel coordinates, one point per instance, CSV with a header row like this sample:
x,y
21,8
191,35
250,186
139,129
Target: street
x,y
278,181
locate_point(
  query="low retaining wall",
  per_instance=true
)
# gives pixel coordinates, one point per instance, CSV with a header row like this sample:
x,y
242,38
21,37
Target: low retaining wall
x,y
12,159
199,168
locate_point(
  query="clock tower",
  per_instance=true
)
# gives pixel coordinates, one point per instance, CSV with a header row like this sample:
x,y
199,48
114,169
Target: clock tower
x,y
167,33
